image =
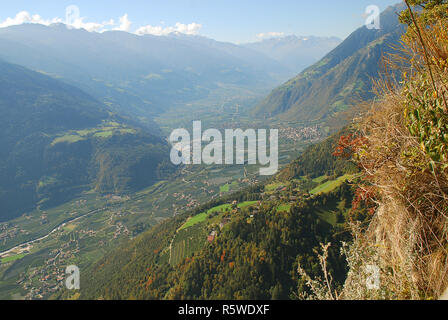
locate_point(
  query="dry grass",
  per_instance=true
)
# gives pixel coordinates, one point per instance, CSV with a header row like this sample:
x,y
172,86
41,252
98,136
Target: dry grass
x,y
408,234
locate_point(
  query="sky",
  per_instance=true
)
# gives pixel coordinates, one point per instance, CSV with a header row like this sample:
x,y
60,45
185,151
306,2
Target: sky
x,y
236,21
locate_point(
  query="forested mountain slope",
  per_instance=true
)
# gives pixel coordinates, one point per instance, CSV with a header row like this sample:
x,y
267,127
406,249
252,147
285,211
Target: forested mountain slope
x,y
56,141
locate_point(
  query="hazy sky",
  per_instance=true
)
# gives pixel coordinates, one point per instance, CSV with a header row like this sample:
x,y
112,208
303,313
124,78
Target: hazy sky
x,y
224,20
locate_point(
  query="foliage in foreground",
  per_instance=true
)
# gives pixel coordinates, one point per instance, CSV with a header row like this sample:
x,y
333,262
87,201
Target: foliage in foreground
x,y
403,155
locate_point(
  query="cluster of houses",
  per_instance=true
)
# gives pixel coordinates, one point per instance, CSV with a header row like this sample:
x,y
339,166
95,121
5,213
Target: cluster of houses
x,y
120,229
80,203
8,232
191,202
43,281
224,221
300,134
44,219
113,197
282,193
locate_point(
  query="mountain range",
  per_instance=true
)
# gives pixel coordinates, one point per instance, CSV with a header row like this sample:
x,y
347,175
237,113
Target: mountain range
x,y
137,75
341,79
295,52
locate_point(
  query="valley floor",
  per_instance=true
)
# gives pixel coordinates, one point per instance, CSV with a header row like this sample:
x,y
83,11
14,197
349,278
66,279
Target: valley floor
x,y
36,247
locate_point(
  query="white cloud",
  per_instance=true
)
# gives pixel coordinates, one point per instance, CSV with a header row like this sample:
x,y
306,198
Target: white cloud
x,y
89,26
78,23
268,35
125,24
190,29
26,17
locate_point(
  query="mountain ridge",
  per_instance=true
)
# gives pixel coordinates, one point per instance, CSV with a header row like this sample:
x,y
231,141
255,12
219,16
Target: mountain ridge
x,y
339,80
137,75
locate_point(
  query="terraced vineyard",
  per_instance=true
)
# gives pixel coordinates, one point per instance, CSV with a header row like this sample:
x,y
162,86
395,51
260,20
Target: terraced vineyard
x,y
187,242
